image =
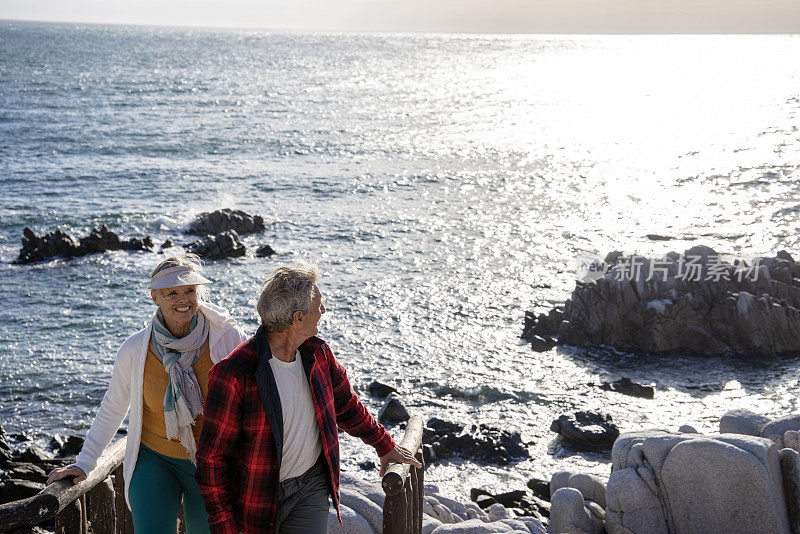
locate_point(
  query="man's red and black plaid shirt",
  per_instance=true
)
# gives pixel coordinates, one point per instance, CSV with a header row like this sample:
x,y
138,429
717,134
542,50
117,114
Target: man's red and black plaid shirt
x,y
238,457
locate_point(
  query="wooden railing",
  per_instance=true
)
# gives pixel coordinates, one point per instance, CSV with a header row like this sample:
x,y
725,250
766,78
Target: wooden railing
x,y
97,501
403,485
100,502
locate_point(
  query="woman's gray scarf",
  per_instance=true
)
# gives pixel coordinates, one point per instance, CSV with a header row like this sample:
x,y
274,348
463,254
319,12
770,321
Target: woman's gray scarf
x,y
183,401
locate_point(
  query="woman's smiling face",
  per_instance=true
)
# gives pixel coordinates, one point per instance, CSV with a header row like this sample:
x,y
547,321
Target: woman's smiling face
x,y
178,305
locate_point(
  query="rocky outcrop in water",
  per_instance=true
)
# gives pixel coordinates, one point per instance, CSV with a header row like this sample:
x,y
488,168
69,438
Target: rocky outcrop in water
x,y
393,410
224,220
217,247
698,303
628,387
479,442
586,430
64,245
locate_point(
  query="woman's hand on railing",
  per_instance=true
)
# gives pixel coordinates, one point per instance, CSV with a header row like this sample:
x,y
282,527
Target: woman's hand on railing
x,y
73,471
398,455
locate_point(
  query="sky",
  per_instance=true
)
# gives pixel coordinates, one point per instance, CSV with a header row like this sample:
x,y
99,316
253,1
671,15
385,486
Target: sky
x,y
481,16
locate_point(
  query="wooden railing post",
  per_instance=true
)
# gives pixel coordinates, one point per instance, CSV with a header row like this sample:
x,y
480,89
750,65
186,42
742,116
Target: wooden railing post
x,y
124,518
102,510
403,485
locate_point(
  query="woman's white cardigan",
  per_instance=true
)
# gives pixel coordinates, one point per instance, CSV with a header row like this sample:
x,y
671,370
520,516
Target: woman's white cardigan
x,y
125,390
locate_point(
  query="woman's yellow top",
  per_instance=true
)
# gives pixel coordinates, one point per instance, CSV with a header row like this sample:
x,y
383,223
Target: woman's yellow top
x,y
154,387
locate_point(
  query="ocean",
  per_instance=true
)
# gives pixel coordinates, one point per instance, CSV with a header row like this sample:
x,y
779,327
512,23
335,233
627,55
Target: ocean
x,y
444,183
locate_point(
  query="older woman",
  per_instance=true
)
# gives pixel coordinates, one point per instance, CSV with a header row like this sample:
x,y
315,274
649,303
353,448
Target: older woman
x,y
161,377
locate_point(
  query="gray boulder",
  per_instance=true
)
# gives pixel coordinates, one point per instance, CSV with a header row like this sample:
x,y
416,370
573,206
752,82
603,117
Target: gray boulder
x,y
352,523
690,484
779,427
568,511
472,526
790,466
741,421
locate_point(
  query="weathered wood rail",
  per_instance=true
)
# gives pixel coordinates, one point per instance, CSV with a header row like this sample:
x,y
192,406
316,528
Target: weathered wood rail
x,y
97,501
98,505
403,485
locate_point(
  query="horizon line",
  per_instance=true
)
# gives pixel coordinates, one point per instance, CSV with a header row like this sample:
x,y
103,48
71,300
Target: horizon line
x,y
395,32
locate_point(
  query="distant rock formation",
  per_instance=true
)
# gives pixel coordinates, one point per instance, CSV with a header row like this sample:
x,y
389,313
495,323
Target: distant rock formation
x,y
223,220
61,244
696,304
220,246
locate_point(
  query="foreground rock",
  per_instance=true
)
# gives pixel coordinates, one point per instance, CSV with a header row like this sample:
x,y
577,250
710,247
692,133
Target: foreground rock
x,y
664,482
586,430
362,513
694,304
479,442
225,220
64,245
217,247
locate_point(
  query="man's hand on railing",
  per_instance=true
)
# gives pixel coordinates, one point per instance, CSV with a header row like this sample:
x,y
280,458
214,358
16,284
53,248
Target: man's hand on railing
x,y
73,471
398,455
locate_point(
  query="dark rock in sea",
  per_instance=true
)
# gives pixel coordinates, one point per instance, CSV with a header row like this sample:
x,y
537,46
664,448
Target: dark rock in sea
x,y
377,389
657,237
167,244
428,454
479,442
15,489
72,446
393,410
543,325
367,465
540,488
485,501
586,430
21,437
26,471
34,455
627,387
542,344
696,303
56,442
224,220
474,493
5,456
61,244
219,246
264,251
518,500
510,499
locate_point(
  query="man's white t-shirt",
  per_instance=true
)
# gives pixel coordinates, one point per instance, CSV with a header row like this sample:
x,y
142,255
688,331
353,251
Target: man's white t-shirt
x,y
301,441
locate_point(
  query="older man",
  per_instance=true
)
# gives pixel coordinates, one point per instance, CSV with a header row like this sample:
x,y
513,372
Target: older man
x,y
269,452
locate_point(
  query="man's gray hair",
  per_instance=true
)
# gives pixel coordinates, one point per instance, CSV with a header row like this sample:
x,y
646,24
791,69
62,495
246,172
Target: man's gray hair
x,y
288,289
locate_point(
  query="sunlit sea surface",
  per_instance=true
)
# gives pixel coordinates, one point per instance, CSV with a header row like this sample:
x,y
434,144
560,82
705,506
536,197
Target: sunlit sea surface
x,y
444,183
